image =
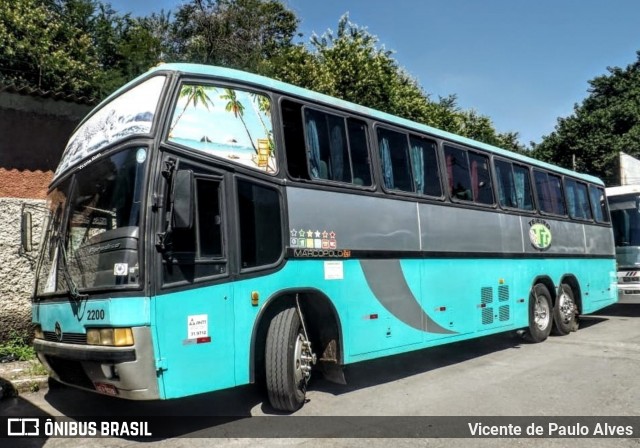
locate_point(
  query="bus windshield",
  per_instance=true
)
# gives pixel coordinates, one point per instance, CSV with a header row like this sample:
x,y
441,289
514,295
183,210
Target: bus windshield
x,y
93,228
625,217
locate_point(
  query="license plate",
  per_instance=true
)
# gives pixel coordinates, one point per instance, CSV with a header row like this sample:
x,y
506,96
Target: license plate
x,y
107,389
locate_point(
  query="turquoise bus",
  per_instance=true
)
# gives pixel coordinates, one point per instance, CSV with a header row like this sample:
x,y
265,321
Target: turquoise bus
x,y
209,228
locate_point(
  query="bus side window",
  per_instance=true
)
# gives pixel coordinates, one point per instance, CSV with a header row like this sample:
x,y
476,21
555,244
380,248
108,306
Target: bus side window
x,y
424,163
577,199
260,224
514,185
359,148
506,184
480,179
394,155
522,180
199,252
327,150
549,190
598,204
294,140
458,173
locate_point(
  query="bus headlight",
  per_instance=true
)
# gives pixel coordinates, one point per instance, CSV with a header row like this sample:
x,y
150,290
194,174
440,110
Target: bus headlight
x,y
115,337
37,332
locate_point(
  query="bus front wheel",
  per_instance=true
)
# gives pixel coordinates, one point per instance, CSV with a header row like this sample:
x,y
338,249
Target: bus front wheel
x,y
288,360
540,314
565,313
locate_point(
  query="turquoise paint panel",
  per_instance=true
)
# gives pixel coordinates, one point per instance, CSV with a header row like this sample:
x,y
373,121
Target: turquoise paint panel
x,y
189,365
455,285
368,334
75,317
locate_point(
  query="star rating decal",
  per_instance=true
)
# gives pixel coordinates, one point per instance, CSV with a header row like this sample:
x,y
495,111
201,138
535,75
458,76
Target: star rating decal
x,y
313,239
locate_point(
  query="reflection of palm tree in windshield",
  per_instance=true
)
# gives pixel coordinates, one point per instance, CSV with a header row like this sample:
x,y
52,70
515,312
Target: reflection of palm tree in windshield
x,y
235,106
195,95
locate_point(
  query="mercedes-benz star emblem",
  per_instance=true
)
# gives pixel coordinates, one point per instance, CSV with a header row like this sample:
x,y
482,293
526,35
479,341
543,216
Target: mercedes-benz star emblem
x,y
58,331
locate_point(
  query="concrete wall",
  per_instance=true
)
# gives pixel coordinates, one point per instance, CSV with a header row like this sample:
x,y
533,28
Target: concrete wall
x,y
16,271
33,133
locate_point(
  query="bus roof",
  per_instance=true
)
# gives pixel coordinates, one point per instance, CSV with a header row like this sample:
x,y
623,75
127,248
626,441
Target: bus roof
x,y
282,87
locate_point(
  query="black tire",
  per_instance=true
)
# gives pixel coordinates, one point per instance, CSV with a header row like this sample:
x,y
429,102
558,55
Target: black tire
x,y
540,314
565,312
286,390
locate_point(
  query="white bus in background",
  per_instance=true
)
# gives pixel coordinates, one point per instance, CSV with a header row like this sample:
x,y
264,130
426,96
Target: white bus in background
x,y
624,204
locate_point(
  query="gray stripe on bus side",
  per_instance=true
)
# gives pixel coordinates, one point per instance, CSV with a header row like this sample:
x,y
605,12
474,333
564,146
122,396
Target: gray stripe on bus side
x,y
388,284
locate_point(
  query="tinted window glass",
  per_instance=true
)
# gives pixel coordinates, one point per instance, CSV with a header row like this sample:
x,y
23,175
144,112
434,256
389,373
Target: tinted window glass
x,y
468,175
327,148
424,164
209,218
522,180
506,184
514,186
198,252
480,178
598,204
577,199
359,146
294,140
260,224
458,173
394,156
549,190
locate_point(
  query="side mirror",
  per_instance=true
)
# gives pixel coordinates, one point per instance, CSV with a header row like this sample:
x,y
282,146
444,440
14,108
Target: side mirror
x,y
26,232
183,195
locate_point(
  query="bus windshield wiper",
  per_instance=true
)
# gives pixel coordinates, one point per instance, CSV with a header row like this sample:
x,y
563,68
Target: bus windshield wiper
x,y
73,288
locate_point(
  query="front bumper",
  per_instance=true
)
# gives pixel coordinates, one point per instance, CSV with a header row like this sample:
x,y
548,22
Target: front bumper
x,y
131,370
628,293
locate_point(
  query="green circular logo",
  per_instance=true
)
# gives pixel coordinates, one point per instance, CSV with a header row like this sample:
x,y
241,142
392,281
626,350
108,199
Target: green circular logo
x,y
540,236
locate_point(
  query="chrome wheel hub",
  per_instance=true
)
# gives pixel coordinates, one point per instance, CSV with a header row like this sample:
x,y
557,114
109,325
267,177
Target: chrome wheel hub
x,y
567,307
541,313
303,359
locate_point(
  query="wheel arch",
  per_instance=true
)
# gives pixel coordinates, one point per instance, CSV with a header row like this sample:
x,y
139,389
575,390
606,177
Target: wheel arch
x,y
320,318
546,281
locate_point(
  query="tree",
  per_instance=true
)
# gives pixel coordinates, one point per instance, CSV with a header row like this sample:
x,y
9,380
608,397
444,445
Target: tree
x,y
350,65
232,33
606,123
43,45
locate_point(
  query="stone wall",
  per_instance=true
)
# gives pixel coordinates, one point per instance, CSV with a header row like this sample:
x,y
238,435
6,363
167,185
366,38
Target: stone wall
x,y
17,270
34,130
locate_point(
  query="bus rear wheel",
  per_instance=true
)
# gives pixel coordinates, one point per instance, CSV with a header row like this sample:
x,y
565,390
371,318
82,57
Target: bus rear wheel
x,y
540,314
288,360
565,313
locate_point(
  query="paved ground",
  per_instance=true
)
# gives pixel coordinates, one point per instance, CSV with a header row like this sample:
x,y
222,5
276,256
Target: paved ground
x,y
593,372
19,377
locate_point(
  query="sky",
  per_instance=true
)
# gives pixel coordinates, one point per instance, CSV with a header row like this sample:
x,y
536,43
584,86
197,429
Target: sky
x,y
522,63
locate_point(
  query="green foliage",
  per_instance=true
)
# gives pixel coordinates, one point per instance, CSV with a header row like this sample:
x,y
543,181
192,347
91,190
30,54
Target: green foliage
x,y
84,47
350,65
232,33
18,347
606,123
44,46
